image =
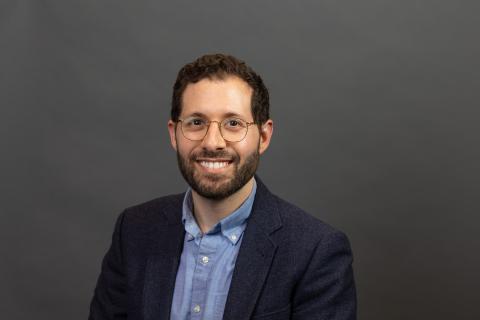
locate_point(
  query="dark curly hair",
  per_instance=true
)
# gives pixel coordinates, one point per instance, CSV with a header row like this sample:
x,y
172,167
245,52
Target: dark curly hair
x,y
219,66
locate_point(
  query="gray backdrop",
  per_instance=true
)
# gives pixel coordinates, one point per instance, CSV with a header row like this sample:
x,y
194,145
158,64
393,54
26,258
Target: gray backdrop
x,y
376,116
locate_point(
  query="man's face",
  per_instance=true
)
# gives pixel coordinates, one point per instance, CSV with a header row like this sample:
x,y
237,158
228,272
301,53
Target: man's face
x,y
213,167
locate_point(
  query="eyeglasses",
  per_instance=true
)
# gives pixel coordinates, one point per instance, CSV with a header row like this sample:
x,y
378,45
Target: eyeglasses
x,y
231,129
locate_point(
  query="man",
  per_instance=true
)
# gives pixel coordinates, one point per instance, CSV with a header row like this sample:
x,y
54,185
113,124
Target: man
x,y
227,248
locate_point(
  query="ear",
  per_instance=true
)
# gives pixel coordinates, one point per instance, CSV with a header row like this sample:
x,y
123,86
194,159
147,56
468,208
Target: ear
x,y
172,126
266,131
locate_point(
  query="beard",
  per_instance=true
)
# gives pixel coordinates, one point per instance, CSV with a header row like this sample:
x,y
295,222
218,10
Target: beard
x,y
218,186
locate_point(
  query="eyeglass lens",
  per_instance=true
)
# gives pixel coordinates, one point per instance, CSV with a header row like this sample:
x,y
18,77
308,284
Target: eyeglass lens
x,y
231,129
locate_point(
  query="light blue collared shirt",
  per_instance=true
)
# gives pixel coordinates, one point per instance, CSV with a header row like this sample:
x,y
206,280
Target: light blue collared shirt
x,y
207,263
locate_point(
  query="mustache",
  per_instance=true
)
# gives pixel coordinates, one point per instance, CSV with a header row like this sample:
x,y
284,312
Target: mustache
x,y
222,154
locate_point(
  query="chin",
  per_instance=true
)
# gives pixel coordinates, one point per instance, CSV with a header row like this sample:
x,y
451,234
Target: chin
x,y
219,189
214,190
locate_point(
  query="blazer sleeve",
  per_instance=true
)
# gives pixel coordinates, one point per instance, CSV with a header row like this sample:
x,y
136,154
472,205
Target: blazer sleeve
x,y
109,300
326,289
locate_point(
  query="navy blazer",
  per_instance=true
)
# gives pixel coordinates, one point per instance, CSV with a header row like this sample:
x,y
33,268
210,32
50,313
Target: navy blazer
x,y
290,265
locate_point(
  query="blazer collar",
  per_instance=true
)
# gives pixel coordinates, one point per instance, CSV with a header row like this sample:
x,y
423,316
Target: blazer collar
x,y
166,243
265,209
255,256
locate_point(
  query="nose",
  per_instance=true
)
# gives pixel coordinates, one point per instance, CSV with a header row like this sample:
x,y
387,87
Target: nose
x,y
213,140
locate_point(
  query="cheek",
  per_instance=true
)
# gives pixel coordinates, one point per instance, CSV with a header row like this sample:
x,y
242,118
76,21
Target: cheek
x,y
250,144
185,148
245,148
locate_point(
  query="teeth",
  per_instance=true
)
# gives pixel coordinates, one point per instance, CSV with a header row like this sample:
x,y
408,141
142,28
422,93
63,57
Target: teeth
x,y
213,165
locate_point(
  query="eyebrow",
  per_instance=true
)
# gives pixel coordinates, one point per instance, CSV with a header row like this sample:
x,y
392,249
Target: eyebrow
x,y
226,115
197,114
233,114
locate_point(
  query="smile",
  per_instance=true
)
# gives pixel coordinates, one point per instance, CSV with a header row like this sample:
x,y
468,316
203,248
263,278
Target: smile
x,y
214,164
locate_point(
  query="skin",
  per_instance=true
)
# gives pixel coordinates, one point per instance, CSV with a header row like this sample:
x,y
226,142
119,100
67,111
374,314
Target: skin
x,y
217,99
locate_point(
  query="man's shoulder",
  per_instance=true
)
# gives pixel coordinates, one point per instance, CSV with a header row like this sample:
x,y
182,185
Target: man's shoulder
x,y
165,207
303,224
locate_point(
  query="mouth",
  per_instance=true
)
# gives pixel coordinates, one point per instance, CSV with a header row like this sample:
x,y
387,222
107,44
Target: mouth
x,y
214,165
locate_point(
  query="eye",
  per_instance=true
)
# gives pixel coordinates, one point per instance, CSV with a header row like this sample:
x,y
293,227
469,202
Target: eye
x,y
234,124
194,123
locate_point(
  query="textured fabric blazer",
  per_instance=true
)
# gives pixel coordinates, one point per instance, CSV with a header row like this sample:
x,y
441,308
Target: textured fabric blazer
x,y
290,265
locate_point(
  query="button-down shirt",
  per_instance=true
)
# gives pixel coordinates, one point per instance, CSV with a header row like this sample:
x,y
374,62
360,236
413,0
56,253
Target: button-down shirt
x,y
207,263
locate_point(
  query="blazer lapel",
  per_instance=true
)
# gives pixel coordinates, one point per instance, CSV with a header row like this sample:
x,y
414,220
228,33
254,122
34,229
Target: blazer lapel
x,y
255,256
162,265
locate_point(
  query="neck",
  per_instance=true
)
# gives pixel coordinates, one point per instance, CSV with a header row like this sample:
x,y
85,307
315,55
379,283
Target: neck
x,y
208,212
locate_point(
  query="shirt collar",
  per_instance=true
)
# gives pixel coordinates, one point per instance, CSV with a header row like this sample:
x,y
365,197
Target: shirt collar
x,y
231,227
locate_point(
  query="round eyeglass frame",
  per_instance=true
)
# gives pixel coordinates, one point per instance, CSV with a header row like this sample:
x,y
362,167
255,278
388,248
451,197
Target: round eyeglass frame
x,y
219,123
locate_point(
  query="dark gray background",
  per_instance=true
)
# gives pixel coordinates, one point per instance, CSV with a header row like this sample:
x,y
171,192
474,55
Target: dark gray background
x,y
376,116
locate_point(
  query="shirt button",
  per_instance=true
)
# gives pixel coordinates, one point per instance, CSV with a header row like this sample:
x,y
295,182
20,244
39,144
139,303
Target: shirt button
x,y
233,237
196,309
204,259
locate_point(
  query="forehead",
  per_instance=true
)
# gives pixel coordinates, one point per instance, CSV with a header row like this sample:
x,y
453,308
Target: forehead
x,y
216,98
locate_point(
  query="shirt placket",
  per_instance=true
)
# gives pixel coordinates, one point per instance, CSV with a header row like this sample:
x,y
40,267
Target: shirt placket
x,y
203,267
